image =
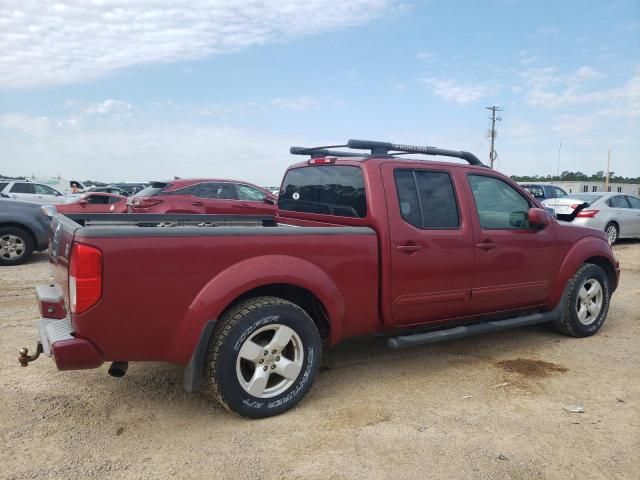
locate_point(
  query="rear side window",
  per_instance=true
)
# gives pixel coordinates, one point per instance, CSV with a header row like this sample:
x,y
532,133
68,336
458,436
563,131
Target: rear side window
x,y
619,201
324,189
535,190
154,189
427,199
3,185
220,191
500,206
22,188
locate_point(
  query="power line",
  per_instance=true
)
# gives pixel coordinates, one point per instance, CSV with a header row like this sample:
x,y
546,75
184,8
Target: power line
x,y
493,133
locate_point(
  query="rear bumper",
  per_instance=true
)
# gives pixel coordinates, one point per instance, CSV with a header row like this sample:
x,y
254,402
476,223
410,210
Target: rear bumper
x,y
68,352
57,334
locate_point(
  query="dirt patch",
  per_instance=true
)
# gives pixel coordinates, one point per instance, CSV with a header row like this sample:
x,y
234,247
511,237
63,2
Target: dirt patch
x,y
530,368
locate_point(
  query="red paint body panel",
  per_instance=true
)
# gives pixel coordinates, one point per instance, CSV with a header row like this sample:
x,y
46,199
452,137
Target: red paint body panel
x,y
168,201
159,289
118,204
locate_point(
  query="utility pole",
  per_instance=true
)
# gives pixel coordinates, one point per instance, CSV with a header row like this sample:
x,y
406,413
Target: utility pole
x,y
606,178
559,151
492,134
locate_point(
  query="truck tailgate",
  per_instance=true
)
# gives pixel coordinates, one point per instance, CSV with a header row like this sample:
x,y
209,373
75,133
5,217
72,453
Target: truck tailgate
x,y
62,233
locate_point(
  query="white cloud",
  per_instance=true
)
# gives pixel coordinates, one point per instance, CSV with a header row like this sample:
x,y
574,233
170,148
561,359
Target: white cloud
x,y
25,123
72,41
549,89
460,93
304,102
108,106
424,55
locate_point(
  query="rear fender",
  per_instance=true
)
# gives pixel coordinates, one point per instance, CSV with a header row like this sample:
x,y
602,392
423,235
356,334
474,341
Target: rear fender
x,y
579,252
223,289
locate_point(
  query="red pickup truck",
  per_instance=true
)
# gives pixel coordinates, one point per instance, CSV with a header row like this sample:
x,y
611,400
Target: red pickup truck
x,y
366,243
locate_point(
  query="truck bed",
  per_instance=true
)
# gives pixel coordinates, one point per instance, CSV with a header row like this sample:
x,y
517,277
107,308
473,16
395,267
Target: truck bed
x,y
165,276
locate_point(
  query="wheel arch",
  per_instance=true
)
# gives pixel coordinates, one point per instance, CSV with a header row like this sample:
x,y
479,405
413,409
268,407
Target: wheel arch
x,y
587,250
290,278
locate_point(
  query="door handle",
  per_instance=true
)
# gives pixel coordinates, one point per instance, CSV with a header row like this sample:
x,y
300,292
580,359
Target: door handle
x,y
408,248
198,204
486,246
243,205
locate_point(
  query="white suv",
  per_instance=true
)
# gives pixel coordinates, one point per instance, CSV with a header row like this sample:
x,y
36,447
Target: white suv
x,y
34,192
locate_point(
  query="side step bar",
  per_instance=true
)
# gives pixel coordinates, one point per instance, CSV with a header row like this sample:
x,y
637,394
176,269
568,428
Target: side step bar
x,y
468,330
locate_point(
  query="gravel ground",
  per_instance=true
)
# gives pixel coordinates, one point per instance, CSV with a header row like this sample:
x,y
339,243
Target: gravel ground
x,y
488,407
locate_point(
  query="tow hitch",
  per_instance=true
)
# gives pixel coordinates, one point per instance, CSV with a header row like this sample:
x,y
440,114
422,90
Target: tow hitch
x,y
25,358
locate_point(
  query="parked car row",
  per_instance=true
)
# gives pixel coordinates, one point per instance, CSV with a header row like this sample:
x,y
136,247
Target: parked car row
x,y
616,214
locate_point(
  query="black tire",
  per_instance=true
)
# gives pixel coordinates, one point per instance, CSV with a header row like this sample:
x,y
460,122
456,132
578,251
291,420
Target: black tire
x,y
245,323
14,240
569,323
613,232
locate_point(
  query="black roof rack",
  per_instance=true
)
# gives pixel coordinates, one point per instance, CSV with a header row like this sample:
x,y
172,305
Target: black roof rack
x,y
384,148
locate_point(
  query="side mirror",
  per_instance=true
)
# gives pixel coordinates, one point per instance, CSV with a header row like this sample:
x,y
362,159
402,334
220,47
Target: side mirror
x,y
269,200
84,202
538,217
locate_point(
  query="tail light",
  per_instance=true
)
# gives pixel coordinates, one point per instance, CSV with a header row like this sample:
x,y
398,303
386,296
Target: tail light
x,y
85,277
587,213
144,202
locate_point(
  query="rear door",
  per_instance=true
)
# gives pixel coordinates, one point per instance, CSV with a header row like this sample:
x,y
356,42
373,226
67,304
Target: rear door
x,y
22,191
431,245
514,263
216,198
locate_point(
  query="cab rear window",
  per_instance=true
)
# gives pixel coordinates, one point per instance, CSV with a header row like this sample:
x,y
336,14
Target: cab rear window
x,y
325,189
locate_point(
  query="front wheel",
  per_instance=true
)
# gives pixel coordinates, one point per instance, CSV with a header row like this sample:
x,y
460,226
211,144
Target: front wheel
x,y
15,246
587,302
263,357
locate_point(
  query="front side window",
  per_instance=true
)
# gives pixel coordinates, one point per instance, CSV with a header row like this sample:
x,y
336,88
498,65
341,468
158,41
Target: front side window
x,y
3,185
22,188
97,199
635,203
559,192
249,194
325,190
45,190
427,199
499,205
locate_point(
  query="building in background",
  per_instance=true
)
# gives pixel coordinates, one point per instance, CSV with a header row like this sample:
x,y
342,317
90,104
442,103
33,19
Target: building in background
x,y
582,186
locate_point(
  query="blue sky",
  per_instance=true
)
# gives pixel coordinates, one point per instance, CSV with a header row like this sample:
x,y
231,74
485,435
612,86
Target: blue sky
x,y
125,91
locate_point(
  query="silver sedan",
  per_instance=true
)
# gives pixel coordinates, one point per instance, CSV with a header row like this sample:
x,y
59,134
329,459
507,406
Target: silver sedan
x,y
615,213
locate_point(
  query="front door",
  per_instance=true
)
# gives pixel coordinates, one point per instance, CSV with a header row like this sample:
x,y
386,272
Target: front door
x,y
430,243
515,264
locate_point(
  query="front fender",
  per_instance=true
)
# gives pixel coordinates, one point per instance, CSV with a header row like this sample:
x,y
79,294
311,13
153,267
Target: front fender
x,y
231,283
582,250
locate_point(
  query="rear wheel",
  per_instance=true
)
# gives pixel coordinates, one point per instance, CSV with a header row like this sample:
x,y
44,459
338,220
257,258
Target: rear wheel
x,y
587,302
612,232
263,357
15,246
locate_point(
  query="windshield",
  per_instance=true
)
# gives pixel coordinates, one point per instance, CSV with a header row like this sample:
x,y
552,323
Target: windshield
x,y
325,190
